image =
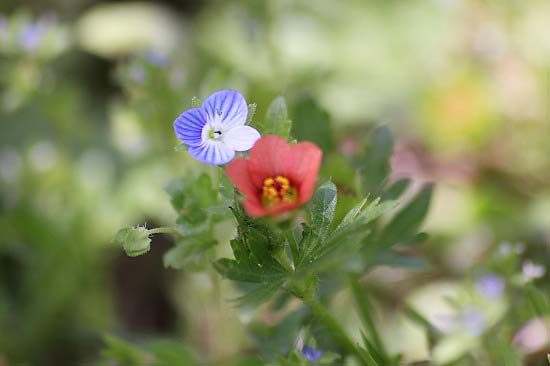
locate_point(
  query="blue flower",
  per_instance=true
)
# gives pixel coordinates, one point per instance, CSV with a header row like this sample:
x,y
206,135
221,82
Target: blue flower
x,y
31,36
491,286
217,129
312,355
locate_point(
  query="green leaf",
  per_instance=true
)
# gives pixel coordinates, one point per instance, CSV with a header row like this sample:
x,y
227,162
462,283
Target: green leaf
x,y
375,162
322,208
188,252
248,272
407,221
539,300
190,197
260,294
279,339
352,214
304,113
276,120
135,241
119,352
170,353
343,243
396,190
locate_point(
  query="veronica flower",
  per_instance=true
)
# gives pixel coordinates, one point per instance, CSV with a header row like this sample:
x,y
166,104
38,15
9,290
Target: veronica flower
x,y
312,355
277,177
31,36
491,286
532,271
217,129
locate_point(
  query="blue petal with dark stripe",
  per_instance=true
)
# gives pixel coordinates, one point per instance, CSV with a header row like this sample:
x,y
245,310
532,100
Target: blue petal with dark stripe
x,y
227,107
212,152
188,126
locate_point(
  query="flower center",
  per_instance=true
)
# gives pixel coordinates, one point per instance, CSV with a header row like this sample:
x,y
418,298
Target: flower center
x,y
215,134
278,190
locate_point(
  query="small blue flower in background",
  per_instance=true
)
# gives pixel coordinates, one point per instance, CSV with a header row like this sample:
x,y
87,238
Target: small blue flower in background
x,y
217,129
312,355
31,36
473,321
491,286
157,58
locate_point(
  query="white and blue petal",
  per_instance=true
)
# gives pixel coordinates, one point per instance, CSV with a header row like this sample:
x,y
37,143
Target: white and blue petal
x,y
241,138
212,152
189,125
226,108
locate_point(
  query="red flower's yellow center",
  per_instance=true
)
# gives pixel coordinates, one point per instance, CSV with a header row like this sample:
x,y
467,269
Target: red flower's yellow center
x,y
278,190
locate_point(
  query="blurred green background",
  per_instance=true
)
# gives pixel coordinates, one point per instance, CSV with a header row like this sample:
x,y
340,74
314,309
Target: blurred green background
x,y
88,93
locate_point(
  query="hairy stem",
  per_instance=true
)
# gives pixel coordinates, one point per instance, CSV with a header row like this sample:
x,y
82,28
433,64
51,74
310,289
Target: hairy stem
x,y
163,230
322,313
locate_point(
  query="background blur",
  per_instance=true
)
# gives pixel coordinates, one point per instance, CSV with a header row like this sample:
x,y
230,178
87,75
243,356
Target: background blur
x,y
88,93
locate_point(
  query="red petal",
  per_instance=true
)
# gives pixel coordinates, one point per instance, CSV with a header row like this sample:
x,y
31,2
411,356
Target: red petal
x,y
304,167
254,209
269,157
237,171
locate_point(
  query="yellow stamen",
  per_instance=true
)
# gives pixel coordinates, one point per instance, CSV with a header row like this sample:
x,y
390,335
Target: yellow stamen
x,y
278,190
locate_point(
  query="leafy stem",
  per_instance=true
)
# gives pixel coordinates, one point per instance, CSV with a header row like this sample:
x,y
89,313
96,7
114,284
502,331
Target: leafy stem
x,y
306,291
323,314
365,313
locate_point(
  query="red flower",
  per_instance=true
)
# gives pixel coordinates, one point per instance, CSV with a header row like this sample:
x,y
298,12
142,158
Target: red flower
x,y
277,177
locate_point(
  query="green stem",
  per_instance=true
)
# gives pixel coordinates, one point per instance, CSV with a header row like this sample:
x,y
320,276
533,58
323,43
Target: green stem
x,y
163,230
365,313
321,312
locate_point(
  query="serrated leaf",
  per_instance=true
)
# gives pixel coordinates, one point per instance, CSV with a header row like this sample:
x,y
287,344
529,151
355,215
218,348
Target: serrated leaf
x,y
352,214
248,272
260,294
322,208
346,240
190,196
276,120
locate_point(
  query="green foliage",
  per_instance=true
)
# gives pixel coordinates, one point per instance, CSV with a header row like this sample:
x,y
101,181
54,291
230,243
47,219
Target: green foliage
x,y
134,240
322,209
374,163
401,229
312,123
156,353
279,338
189,252
276,121
404,225
341,244
255,249
193,198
